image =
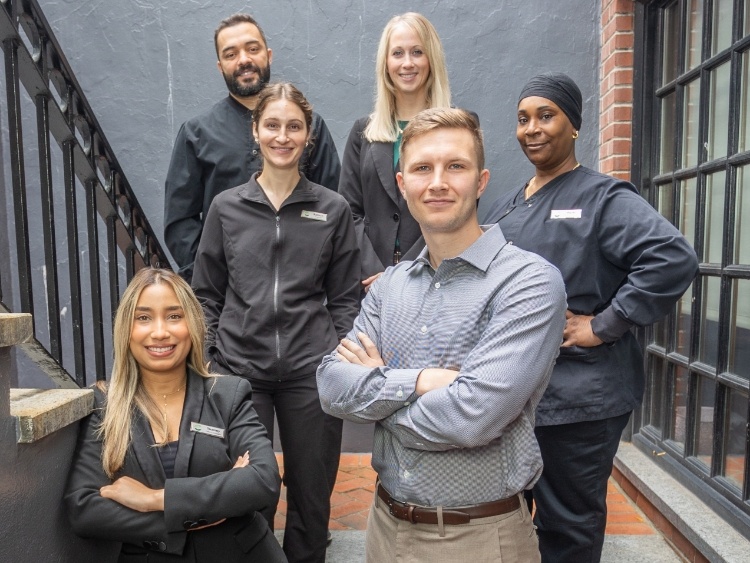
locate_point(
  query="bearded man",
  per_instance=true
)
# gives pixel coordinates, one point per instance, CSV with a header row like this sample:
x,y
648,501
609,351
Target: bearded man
x,y
216,150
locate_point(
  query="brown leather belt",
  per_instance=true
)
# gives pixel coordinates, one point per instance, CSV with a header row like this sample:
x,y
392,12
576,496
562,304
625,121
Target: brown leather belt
x,y
451,516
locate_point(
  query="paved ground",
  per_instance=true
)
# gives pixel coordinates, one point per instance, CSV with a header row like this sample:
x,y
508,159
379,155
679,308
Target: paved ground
x,y
631,538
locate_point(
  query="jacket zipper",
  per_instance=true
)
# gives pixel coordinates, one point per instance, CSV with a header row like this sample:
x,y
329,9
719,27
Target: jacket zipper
x,y
276,288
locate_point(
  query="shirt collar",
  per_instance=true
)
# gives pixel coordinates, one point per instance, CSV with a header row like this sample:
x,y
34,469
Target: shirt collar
x,y
302,192
480,254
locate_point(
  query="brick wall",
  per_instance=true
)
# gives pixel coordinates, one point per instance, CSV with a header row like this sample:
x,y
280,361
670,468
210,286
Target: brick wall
x,y
616,88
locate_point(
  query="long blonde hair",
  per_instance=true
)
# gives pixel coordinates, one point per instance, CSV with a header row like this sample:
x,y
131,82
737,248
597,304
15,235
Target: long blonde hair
x,y
125,391
382,126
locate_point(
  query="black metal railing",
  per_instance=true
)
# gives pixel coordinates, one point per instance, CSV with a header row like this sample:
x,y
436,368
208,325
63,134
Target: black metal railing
x,y
77,233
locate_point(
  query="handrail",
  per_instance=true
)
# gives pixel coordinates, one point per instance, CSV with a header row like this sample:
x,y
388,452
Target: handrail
x,y
97,201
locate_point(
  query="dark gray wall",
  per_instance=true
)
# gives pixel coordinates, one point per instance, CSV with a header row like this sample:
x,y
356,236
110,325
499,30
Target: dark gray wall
x,y
32,480
147,66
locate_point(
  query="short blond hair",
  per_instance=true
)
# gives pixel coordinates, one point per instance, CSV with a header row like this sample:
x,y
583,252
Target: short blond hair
x,y
444,118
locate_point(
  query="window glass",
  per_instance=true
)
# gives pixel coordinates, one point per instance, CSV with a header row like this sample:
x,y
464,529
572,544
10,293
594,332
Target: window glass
x,y
734,438
684,317
668,111
744,120
739,329
709,332
665,201
714,218
721,34
686,218
694,31
718,112
705,421
679,409
669,41
742,217
655,384
690,116
659,333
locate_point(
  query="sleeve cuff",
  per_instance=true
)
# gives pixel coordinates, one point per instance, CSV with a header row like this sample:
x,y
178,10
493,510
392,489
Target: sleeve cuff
x,y
608,326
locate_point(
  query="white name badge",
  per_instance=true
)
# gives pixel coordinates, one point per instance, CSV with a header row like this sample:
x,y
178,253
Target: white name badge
x,y
206,429
565,214
314,215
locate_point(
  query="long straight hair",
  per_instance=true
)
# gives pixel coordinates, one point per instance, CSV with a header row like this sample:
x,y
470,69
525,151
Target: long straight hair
x,y
382,126
125,391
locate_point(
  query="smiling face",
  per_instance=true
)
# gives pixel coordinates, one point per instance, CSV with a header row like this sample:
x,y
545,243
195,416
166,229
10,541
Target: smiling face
x,y
281,132
407,64
441,180
244,59
160,337
545,133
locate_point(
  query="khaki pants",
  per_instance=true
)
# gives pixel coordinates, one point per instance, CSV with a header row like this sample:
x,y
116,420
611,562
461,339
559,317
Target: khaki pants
x,y
508,538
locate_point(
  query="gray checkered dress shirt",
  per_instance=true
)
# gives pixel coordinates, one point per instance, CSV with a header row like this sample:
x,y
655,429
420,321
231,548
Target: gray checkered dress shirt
x,y
495,313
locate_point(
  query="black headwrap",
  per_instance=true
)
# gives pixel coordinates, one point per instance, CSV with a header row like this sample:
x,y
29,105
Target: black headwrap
x,y
559,88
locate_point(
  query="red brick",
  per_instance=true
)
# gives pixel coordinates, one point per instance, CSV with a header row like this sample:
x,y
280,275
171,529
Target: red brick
x,y
339,498
623,76
630,517
623,22
361,495
356,521
335,525
344,475
347,508
356,460
351,484
683,545
622,146
700,558
628,529
622,163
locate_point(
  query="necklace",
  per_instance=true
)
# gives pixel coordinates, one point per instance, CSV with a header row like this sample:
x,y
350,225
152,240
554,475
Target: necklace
x,y
529,191
164,397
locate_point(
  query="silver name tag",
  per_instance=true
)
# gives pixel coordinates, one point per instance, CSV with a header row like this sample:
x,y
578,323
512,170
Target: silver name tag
x,y
206,429
315,215
565,214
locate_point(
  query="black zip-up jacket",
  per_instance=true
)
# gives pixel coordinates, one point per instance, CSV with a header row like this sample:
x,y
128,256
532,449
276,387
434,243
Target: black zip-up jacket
x,y
214,152
622,262
279,289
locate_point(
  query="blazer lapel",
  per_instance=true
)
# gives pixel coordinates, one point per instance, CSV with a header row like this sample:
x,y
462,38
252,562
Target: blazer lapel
x,y
145,452
191,412
382,155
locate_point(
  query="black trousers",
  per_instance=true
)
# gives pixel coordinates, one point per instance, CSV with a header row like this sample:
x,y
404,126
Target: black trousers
x,y
571,495
311,442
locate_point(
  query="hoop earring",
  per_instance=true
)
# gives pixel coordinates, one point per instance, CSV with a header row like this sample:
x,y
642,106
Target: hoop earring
x,y
575,135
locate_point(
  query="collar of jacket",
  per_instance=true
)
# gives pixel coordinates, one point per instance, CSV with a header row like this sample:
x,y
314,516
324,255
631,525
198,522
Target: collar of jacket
x,y
244,111
302,192
143,438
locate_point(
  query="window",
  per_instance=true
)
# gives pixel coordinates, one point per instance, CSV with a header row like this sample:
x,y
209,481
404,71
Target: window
x,y
696,152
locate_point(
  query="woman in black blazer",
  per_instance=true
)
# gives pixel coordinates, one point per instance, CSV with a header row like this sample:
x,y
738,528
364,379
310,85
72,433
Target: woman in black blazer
x,y
173,462
411,76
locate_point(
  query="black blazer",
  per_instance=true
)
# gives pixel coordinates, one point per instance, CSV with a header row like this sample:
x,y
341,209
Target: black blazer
x,y
203,489
368,182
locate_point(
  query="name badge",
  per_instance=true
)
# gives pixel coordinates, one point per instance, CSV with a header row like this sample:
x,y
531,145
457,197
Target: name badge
x,y
565,214
315,216
206,429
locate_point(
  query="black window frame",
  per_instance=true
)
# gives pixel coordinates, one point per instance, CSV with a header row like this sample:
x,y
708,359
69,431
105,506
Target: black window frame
x,y
707,482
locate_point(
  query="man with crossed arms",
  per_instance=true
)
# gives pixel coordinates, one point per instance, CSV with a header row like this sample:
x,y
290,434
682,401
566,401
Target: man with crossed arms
x,y
450,355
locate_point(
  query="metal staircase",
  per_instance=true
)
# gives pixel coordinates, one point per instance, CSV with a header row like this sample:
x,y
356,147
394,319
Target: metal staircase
x,y
76,233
